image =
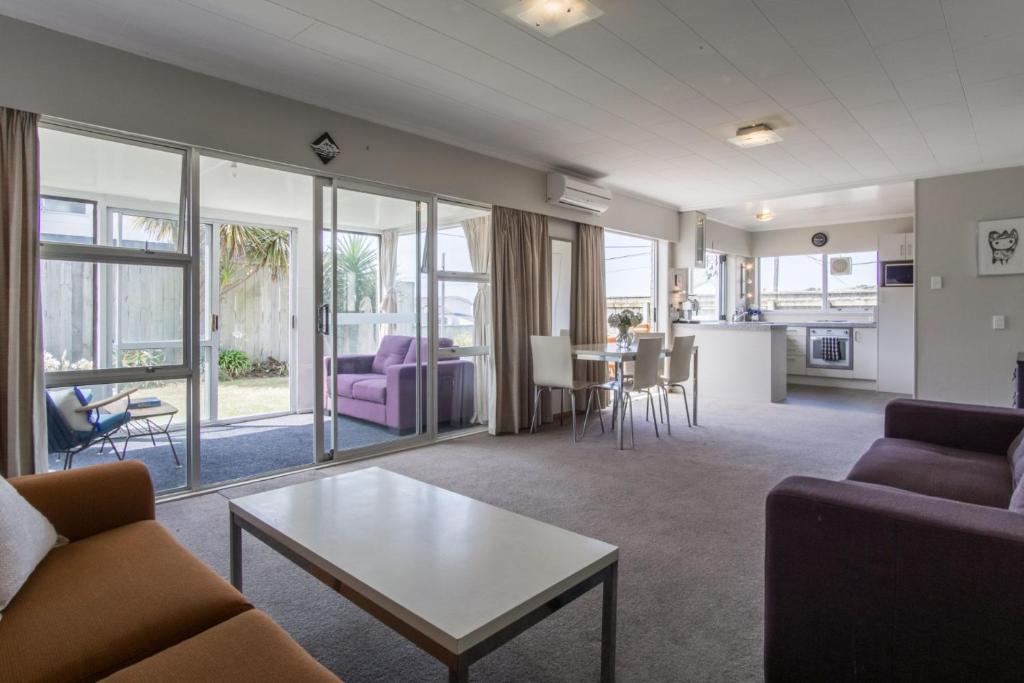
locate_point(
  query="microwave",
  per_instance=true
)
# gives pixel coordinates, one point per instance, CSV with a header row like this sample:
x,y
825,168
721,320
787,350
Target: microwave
x,y
897,274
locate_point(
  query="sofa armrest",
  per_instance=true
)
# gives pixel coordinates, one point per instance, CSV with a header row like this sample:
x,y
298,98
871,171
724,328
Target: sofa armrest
x,y
83,502
983,429
866,582
350,364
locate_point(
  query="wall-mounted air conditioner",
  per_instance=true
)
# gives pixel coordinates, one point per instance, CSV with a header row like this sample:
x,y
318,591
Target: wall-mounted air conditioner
x,y
578,194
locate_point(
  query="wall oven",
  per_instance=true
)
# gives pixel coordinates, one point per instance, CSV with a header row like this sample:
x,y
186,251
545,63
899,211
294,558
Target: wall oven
x,y
830,348
897,274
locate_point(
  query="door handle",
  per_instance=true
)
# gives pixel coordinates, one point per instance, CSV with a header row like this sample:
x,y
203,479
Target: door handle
x,y
323,322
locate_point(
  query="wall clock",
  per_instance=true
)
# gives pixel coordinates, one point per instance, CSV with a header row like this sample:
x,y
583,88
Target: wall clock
x,y
819,239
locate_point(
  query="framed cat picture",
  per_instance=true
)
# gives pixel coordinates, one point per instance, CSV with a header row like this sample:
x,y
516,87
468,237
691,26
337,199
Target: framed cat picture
x,y
1000,251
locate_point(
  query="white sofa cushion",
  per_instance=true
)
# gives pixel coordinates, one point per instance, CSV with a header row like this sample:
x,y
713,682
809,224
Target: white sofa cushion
x,y
25,538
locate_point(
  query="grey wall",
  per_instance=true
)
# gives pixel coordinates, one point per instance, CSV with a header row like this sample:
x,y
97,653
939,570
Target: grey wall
x,y
959,356
63,76
845,237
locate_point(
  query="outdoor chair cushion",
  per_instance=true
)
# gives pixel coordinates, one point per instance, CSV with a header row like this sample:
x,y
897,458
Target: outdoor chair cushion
x,y
269,655
67,401
373,390
347,382
108,601
392,351
939,471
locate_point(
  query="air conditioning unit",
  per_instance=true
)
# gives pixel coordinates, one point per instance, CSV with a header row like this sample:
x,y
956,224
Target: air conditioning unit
x,y
578,194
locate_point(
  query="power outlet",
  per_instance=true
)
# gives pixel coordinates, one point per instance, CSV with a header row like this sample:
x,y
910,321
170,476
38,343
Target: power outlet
x,y
999,322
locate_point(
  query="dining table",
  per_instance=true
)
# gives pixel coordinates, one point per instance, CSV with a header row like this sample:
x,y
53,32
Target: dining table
x,y
620,355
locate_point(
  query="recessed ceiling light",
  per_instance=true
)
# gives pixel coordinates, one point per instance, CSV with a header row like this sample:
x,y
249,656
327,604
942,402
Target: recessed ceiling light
x,y
764,216
755,136
551,17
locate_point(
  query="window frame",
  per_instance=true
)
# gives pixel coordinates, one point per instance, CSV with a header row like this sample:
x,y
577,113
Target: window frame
x,y
654,322
825,306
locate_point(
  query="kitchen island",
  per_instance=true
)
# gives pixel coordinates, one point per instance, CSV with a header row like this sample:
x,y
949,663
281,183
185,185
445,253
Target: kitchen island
x,y
740,361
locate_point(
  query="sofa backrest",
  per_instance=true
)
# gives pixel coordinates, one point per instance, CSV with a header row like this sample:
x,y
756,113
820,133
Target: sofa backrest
x,y
410,356
392,351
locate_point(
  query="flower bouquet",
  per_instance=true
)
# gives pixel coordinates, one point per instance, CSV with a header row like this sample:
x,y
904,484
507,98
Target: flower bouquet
x,y
623,321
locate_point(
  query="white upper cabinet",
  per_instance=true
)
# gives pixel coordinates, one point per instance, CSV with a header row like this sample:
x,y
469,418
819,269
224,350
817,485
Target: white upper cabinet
x,y
896,247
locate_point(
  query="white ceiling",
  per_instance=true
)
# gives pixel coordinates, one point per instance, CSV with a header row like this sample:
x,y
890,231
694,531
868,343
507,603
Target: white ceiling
x,y
866,90
851,205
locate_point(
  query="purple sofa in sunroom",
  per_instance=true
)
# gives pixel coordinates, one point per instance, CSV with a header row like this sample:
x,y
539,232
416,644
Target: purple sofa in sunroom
x,y
381,387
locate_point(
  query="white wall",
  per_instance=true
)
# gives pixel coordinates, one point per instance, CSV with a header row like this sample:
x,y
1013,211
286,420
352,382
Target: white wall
x,y
63,76
841,238
959,356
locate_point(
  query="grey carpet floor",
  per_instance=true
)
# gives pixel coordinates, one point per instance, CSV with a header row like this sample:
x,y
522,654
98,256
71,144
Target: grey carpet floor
x,y
686,510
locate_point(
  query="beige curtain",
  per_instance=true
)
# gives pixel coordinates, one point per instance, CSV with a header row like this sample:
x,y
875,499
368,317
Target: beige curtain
x,y
21,345
522,306
588,302
478,239
388,272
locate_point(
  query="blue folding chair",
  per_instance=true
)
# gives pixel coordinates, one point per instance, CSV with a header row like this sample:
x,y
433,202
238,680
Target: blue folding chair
x,y
64,438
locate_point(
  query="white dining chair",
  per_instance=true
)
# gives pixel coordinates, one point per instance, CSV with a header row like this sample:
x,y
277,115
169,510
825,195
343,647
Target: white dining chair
x,y
645,380
552,369
679,364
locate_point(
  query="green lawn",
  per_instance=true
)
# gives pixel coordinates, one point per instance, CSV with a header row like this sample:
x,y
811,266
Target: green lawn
x,y
235,398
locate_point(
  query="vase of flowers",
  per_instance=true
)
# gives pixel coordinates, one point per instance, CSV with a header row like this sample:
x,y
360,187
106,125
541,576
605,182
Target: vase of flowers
x,y
623,321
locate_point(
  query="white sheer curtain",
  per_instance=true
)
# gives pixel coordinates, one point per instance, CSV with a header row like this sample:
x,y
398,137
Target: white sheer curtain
x,y
478,237
388,272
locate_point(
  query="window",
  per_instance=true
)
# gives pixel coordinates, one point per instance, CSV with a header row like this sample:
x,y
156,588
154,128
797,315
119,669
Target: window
x,y
629,265
857,288
815,282
791,283
708,287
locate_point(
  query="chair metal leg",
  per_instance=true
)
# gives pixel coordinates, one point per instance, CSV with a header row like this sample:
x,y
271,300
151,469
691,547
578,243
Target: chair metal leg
x,y
686,405
561,408
650,407
647,412
600,417
633,438
572,407
660,411
536,405
668,413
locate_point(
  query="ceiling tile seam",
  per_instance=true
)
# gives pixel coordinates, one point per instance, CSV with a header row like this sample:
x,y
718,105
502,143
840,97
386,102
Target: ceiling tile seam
x,y
417,86
485,85
827,87
191,3
963,88
899,96
745,75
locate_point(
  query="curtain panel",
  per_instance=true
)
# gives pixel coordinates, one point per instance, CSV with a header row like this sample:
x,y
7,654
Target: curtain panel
x,y
388,273
478,239
522,307
588,303
21,352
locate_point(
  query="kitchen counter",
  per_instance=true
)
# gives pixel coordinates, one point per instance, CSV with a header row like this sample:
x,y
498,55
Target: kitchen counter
x,y
740,367
831,323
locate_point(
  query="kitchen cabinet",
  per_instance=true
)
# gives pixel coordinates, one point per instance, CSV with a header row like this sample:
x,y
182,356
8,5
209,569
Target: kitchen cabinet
x,y
896,247
865,353
796,350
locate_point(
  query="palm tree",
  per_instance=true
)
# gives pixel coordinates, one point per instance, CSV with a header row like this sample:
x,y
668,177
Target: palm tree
x,y
245,249
356,258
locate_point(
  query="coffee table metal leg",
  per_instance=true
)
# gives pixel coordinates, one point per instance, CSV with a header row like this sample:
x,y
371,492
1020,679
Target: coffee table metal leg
x,y
608,616
236,553
458,672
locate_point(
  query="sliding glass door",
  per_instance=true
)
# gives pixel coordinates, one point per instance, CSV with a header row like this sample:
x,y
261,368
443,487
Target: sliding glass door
x,y
372,317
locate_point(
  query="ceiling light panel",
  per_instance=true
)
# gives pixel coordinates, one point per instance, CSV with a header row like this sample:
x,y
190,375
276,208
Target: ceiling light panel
x,y
551,17
755,136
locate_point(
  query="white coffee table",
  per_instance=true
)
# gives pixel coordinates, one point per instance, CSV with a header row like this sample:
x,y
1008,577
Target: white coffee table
x,y
457,577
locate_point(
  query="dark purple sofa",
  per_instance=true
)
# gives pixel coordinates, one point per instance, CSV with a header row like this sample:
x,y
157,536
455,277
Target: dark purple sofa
x,y
381,387
910,569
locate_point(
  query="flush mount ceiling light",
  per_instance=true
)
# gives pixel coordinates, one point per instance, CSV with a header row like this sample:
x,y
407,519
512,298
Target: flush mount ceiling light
x,y
764,216
755,136
551,17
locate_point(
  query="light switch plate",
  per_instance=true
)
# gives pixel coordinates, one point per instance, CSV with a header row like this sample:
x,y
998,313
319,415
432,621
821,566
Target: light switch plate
x,y
999,322
936,282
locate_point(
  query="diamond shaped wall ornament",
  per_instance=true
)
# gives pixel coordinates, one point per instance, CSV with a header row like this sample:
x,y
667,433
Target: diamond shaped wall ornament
x,y
326,148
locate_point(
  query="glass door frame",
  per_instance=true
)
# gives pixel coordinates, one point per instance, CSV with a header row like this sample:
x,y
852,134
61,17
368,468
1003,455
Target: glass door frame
x,y
327,323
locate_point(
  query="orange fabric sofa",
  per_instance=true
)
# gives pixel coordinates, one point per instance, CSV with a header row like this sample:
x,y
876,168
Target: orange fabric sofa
x,y
125,600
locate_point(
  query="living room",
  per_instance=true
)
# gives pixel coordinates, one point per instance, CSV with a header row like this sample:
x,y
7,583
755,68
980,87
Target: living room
x,y
330,317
